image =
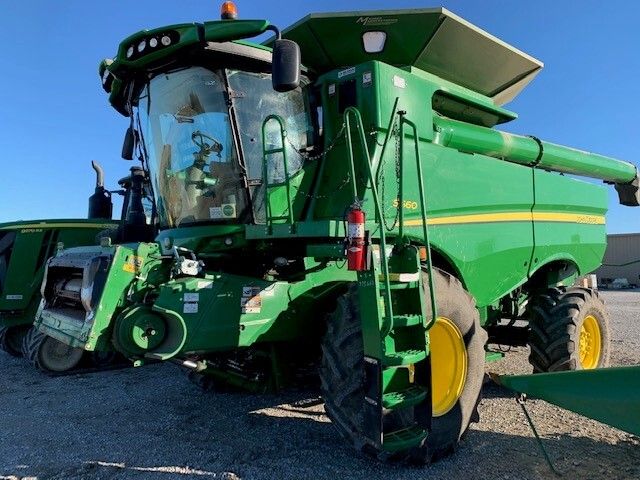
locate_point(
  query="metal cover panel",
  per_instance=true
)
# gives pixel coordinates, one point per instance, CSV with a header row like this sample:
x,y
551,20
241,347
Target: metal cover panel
x,y
434,40
466,55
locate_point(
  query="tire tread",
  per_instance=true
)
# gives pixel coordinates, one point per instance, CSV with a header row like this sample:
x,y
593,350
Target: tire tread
x,y
554,318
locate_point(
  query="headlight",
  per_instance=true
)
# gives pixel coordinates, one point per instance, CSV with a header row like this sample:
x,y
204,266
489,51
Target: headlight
x,y
374,41
150,44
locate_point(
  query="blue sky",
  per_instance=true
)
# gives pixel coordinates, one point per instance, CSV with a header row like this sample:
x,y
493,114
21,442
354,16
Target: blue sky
x,y
55,116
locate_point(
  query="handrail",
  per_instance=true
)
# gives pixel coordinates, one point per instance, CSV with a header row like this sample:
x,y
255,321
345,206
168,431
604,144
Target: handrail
x,y
265,152
352,111
387,137
423,207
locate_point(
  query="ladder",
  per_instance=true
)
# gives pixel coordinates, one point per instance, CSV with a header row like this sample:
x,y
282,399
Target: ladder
x,y
394,321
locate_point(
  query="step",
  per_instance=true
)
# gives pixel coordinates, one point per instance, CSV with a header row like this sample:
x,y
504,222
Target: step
x,y
404,357
408,397
273,151
403,439
407,320
401,277
400,285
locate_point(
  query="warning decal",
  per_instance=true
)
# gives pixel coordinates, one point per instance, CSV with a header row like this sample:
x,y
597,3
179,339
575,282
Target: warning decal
x,y
251,301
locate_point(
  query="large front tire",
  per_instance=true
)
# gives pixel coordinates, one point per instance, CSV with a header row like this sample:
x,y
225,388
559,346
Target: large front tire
x,y
342,370
569,330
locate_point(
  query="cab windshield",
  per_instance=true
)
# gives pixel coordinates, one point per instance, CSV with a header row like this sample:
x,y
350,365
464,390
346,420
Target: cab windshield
x,y
193,161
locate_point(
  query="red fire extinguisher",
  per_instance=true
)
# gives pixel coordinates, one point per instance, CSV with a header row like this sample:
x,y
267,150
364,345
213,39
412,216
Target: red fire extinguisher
x,y
356,245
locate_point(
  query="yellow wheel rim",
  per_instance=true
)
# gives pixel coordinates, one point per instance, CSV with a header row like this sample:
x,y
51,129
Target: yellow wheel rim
x,y
448,365
590,343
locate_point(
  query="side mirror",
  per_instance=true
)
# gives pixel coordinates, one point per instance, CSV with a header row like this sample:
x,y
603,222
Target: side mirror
x,y
285,66
128,144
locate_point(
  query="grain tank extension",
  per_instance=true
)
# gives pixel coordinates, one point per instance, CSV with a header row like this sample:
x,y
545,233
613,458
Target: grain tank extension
x,y
360,214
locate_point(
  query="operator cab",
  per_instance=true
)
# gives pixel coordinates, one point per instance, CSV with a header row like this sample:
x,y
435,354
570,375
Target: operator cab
x,y
200,127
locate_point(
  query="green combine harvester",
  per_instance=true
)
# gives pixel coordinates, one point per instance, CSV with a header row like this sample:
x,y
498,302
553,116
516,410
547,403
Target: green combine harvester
x,y
25,247
359,214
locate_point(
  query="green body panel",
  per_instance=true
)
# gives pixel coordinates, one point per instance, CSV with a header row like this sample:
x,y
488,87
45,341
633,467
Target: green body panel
x,y
609,395
472,200
219,311
582,241
223,311
26,246
189,34
207,239
211,241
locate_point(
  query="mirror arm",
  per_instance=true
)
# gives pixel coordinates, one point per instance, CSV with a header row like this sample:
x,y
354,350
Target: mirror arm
x,y
275,30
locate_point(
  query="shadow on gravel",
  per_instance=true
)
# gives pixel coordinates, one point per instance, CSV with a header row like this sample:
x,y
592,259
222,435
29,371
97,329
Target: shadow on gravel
x,y
574,456
153,424
303,451
490,389
231,436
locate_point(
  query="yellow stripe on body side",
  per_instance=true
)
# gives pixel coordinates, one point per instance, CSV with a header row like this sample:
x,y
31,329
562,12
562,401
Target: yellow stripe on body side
x,y
569,218
580,218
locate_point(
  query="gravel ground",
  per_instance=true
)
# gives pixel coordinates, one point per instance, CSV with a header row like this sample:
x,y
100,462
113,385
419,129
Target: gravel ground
x,y
152,423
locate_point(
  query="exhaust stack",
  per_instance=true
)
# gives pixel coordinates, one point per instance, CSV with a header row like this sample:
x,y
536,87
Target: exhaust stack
x,y
100,204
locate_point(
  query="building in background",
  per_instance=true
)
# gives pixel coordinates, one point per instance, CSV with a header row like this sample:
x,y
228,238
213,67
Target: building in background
x,y
621,261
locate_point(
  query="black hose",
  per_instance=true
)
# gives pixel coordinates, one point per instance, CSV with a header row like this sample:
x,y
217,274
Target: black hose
x,y
620,264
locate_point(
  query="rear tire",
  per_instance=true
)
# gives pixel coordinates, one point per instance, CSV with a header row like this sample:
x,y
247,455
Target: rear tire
x,y
48,354
11,339
563,321
342,371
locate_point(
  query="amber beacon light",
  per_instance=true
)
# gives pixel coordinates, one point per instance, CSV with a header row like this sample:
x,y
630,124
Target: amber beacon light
x,y
228,11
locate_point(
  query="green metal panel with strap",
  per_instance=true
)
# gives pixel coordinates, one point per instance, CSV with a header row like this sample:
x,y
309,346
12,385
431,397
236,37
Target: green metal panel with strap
x,y
609,395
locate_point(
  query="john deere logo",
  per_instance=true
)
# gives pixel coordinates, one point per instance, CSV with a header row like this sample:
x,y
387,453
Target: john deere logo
x,y
376,21
228,211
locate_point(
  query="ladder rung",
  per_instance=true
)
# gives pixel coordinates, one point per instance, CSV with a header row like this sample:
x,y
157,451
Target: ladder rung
x,y
274,150
405,357
408,397
403,439
402,277
407,320
400,285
